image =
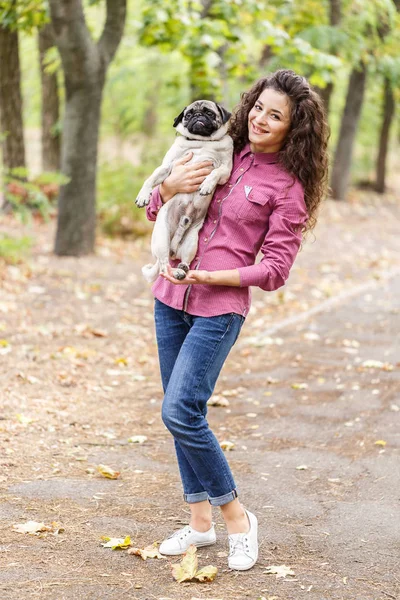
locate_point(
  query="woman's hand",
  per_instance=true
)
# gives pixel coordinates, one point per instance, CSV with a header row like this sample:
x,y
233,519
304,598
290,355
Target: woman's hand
x,y
191,277
185,178
229,277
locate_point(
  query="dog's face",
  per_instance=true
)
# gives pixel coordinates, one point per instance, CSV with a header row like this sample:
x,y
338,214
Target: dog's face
x,y
202,119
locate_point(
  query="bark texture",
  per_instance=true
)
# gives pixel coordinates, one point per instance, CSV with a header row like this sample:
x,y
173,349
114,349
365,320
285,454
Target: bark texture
x,y
388,114
85,65
51,143
11,125
347,134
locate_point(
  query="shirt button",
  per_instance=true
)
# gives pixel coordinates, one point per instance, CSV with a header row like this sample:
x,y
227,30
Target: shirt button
x,y
218,201
215,220
205,239
230,185
242,169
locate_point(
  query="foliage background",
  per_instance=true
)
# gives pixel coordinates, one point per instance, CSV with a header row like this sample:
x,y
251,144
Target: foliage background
x,y
167,46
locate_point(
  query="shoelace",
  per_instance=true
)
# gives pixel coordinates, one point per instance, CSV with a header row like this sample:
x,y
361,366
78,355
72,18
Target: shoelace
x,y
240,543
181,532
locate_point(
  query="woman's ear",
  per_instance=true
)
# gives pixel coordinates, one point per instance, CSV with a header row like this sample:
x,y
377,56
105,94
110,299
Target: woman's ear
x,y
225,115
179,118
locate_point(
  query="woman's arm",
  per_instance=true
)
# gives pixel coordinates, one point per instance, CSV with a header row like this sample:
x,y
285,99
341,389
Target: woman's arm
x,y
184,178
230,277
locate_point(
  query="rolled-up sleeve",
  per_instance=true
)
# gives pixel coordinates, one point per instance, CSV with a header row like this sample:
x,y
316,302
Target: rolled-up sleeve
x,y
281,243
154,205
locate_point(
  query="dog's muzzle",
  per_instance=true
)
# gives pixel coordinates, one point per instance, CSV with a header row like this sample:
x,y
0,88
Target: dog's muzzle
x,y
200,125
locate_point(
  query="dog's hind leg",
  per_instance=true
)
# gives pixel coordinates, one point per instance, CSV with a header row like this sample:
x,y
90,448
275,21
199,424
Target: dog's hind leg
x,y
159,246
187,251
183,226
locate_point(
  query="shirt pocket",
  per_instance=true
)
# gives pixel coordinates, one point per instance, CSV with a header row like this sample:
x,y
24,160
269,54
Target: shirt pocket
x,y
253,205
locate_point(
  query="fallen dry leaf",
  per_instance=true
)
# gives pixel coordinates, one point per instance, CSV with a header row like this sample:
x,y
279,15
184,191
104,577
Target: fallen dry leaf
x,y
137,439
227,445
208,573
148,552
187,569
380,443
377,364
299,386
279,571
35,528
218,401
116,543
108,472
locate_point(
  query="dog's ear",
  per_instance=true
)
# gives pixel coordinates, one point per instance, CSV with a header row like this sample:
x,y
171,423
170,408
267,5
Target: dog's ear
x,y
179,118
225,115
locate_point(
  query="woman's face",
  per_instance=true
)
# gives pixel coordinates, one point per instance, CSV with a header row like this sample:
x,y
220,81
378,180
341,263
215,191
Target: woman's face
x,y
269,121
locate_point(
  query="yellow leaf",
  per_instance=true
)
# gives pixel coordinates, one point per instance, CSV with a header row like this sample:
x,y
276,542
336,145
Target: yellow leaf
x,y
187,568
148,552
108,472
226,445
116,543
121,361
299,386
380,443
137,439
208,573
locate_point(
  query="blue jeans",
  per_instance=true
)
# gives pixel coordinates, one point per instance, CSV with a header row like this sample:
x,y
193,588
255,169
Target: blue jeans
x,y
192,351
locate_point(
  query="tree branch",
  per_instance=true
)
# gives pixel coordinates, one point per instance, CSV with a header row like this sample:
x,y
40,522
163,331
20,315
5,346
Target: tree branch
x,y
113,28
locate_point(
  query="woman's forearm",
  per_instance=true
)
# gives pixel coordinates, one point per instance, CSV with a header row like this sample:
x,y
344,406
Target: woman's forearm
x,y
230,278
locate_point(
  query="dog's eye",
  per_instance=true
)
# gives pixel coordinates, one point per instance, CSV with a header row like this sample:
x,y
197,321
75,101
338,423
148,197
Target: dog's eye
x,y
209,112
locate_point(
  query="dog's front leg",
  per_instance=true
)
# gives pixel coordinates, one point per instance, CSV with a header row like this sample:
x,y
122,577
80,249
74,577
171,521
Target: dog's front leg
x,y
159,175
218,175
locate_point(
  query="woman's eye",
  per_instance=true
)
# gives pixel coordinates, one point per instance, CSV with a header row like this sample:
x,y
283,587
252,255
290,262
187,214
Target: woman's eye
x,y
276,117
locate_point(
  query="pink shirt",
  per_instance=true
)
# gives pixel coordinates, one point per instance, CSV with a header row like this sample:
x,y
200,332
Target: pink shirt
x,y
260,208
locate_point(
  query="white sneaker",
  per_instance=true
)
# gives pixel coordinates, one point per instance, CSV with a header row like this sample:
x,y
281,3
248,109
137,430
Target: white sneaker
x,y
179,542
243,547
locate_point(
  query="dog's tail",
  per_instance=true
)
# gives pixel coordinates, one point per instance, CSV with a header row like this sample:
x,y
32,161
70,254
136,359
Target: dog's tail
x,y
150,272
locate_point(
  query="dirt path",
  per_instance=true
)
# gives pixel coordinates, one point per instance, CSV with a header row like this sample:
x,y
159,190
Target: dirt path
x,y
305,414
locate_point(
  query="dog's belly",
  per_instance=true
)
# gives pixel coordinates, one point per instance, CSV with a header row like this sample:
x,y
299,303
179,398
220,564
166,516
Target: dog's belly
x,y
185,205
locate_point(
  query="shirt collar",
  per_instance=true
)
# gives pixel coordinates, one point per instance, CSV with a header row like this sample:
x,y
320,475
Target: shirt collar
x,y
260,158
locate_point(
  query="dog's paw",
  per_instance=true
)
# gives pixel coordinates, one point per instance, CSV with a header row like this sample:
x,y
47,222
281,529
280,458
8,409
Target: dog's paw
x,y
179,273
143,199
184,266
206,188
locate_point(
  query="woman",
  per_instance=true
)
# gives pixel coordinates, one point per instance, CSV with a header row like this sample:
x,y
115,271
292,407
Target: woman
x,y
278,179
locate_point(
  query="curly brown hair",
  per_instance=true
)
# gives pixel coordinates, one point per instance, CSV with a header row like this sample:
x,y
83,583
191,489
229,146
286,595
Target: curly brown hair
x,y
304,153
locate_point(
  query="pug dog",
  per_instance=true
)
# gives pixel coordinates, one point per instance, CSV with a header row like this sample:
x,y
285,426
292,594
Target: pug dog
x,y
203,129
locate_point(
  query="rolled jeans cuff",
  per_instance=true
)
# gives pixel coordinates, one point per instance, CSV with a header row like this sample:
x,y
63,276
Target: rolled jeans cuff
x,y
221,500
193,498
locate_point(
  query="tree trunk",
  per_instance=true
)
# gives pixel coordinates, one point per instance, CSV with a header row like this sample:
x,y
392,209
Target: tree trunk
x,y
11,124
85,65
51,159
348,130
76,224
388,114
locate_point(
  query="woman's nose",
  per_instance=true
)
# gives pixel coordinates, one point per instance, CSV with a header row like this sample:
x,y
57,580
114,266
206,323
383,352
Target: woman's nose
x,y
261,119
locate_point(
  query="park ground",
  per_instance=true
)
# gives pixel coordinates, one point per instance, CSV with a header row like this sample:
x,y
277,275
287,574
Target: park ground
x,y
313,393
